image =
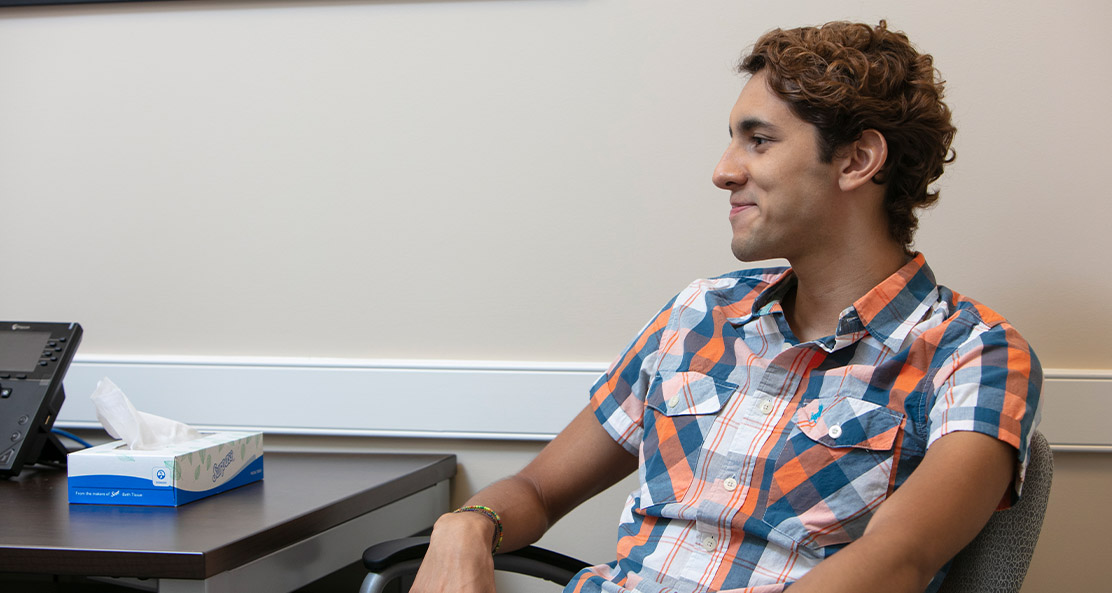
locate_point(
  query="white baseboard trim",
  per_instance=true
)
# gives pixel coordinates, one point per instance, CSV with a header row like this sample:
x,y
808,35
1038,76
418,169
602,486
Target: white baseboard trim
x,y
497,400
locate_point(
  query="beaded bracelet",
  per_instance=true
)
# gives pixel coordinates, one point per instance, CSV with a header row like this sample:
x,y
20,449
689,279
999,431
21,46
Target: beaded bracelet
x,y
489,513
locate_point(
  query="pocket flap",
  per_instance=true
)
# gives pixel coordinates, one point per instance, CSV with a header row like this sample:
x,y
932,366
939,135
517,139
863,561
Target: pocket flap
x,y
688,392
848,422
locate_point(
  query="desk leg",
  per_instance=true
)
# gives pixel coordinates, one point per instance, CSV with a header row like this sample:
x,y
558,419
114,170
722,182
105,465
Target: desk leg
x,y
304,562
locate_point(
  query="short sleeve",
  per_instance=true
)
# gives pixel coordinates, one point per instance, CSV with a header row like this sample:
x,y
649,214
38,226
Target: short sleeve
x,y
992,385
618,397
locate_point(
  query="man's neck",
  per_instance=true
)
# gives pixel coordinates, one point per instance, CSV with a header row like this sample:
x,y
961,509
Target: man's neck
x,y
829,283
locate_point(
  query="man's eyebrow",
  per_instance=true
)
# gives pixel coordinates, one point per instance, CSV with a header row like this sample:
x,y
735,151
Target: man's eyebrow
x,y
751,124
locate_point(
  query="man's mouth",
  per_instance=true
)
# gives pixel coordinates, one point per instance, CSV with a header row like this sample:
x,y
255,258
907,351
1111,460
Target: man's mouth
x,y
735,208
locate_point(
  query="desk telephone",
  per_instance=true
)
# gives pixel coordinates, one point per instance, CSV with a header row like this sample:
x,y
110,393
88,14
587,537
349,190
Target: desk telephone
x,y
33,360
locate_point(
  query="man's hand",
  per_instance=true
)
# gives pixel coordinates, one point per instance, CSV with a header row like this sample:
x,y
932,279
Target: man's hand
x,y
458,559
580,462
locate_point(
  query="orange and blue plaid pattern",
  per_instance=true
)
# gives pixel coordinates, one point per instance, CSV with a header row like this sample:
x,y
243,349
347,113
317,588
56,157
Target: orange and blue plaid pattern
x,y
760,456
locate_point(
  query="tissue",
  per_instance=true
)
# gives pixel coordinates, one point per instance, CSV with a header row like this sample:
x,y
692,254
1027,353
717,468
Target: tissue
x,y
139,430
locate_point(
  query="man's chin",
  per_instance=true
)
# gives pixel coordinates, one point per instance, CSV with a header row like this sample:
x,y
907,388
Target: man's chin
x,y
749,253
745,252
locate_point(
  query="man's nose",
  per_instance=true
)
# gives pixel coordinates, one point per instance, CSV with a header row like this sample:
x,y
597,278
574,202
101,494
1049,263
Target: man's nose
x,y
730,171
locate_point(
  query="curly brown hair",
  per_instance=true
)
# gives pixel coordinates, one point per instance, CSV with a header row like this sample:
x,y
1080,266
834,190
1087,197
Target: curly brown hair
x,y
845,78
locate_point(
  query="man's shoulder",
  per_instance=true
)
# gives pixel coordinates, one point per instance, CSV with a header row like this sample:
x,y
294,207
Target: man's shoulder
x,y
971,310
966,324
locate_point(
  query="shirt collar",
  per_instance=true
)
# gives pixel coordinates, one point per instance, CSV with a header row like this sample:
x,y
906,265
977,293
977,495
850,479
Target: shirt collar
x,y
888,312
891,309
770,298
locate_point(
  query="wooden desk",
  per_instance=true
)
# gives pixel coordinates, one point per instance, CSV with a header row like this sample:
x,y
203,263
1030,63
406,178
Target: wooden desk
x,y
312,514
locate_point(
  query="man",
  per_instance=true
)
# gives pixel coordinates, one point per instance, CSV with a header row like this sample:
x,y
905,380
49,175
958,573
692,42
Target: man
x,y
844,424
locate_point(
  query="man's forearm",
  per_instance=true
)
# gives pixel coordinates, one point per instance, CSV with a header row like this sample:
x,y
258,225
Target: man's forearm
x,y
459,555
868,564
519,507
580,462
937,511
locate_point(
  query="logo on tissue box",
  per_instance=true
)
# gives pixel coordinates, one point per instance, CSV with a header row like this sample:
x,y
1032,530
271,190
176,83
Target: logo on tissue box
x,y
218,469
161,477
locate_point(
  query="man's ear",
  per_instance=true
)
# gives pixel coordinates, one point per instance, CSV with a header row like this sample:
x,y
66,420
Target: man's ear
x,y
862,160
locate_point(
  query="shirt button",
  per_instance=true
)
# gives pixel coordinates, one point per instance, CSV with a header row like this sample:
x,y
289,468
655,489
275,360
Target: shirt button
x,y
674,401
709,542
765,407
835,431
729,484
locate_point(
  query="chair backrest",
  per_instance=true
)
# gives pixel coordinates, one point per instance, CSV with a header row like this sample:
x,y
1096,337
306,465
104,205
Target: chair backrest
x,y
996,561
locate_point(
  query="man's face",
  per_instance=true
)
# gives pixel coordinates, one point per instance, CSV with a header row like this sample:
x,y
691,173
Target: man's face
x,y
781,195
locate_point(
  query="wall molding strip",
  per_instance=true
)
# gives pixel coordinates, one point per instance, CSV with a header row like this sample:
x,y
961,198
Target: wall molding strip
x,y
447,399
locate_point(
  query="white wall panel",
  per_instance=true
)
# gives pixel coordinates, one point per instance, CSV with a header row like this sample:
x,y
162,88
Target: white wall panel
x,y
435,399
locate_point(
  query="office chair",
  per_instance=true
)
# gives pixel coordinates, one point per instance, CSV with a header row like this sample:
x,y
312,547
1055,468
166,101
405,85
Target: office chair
x,y
996,561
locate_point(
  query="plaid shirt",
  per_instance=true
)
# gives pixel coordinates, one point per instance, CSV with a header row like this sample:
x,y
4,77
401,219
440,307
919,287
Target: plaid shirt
x,y
760,456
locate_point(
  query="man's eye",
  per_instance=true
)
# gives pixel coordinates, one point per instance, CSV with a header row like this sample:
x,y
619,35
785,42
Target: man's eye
x,y
757,140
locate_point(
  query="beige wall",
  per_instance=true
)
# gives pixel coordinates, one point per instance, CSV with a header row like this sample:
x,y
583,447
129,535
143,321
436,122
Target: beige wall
x,y
480,180
483,180
1072,554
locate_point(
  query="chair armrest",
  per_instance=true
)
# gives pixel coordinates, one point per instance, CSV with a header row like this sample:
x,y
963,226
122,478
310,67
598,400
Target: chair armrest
x,y
531,560
381,556
540,563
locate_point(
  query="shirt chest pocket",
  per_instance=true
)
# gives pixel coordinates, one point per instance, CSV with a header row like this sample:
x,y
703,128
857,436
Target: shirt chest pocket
x,y
833,472
683,406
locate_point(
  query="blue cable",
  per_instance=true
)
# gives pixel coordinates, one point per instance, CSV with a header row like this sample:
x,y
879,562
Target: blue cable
x,y
72,437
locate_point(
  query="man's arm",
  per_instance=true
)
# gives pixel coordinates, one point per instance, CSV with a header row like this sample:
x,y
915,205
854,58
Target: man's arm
x,y
580,462
941,507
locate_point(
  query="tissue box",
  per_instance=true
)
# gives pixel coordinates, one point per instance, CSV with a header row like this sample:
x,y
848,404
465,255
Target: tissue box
x,y
171,476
